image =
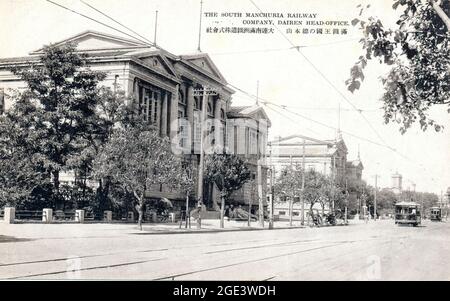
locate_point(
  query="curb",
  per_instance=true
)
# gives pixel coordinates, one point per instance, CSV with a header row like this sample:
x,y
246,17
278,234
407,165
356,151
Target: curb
x,y
214,230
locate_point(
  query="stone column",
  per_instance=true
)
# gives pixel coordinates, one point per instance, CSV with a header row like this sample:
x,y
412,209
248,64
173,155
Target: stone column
x,y
47,215
190,114
158,110
9,215
164,101
218,122
136,92
174,114
79,216
107,216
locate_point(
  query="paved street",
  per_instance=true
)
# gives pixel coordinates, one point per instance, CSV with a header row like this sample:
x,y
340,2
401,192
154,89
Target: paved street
x,y
375,251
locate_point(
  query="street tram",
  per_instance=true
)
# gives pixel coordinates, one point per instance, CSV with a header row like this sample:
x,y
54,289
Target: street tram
x,y
407,213
436,214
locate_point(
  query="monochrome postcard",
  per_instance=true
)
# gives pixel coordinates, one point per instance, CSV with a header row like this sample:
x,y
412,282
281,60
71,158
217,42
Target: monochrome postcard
x,y
250,140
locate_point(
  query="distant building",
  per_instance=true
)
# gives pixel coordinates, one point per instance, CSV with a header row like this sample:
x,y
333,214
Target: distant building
x,y
354,169
328,157
396,186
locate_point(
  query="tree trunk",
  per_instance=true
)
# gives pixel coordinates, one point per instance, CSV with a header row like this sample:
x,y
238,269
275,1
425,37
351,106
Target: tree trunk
x,y
290,211
249,212
141,215
56,186
222,211
187,210
139,208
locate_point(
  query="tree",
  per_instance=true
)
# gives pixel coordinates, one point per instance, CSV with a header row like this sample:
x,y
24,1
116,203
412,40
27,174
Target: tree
x,y
135,159
417,51
113,110
426,199
18,175
289,184
229,172
386,200
56,110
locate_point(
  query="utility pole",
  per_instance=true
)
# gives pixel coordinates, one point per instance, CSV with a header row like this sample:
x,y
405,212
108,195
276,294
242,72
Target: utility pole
x,y
302,196
156,27
259,168
291,201
200,26
270,189
205,92
375,198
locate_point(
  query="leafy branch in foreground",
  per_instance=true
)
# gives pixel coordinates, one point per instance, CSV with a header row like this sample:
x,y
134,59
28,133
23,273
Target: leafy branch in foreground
x,y
417,50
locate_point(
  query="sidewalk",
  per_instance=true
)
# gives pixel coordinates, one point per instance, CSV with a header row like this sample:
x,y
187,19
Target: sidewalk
x,y
213,225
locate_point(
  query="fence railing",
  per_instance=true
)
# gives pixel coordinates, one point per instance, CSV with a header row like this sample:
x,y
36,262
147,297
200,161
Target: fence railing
x,y
71,216
29,214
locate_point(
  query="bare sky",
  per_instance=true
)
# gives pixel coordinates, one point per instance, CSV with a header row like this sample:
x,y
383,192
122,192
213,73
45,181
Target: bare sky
x,y
285,77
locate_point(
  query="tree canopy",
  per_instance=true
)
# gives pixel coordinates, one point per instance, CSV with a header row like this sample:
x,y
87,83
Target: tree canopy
x,y
228,170
417,51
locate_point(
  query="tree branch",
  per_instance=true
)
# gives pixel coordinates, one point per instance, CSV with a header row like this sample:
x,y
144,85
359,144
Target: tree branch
x,y
441,13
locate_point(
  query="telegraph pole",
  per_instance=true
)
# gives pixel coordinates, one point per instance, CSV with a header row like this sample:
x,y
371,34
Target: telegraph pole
x,y
259,178
205,92
156,27
302,200
375,198
270,189
200,27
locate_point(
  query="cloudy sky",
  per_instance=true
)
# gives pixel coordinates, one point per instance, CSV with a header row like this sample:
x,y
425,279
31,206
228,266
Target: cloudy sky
x,y
310,85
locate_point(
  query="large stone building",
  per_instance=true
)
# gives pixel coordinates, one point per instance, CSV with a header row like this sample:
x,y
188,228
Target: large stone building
x,y
328,157
163,85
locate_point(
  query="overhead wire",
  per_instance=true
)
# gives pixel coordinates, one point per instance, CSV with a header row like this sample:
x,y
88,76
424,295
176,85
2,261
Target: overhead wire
x,y
265,102
324,77
99,22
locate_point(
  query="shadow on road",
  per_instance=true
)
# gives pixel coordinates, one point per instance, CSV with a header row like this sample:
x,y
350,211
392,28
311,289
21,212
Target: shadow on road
x,y
4,238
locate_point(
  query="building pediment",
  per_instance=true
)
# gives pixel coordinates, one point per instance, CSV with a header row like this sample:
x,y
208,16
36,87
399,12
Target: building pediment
x,y
158,62
253,112
203,63
95,41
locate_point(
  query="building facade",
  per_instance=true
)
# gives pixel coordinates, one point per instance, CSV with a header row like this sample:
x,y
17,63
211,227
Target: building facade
x,y
396,185
163,86
328,157
247,132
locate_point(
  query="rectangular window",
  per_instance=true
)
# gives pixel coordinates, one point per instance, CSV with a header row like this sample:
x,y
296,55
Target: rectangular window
x,y
148,104
235,139
2,101
223,136
253,144
247,141
197,131
281,212
182,129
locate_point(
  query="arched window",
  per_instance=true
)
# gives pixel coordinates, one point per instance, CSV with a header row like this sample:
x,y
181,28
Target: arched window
x,y
222,114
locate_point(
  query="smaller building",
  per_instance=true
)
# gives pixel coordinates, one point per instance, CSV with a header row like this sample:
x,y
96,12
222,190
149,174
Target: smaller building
x,y
281,210
247,135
